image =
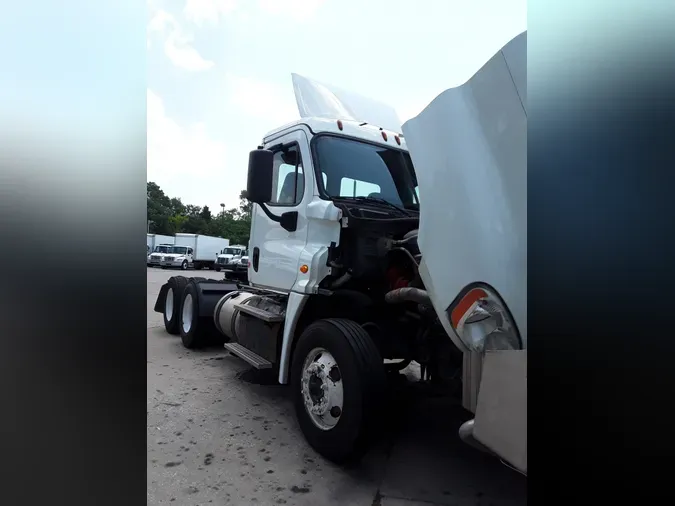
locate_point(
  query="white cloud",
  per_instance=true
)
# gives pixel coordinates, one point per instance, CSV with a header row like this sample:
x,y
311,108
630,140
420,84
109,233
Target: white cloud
x,y
177,44
201,11
177,151
264,101
301,10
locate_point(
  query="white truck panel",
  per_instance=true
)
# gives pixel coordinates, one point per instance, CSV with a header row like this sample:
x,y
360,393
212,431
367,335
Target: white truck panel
x,y
469,147
187,240
320,100
207,247
157,239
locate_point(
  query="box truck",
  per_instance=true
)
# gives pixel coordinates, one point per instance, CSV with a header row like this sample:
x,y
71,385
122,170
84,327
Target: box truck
x,y
157,245
193,250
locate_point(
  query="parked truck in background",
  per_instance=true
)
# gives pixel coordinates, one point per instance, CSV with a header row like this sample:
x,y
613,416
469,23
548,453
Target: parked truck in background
x,y
193,250
229,256
157,245
368,245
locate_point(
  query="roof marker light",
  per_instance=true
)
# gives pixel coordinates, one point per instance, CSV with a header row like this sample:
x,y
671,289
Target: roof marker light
x,y
384,135
339,123
398,139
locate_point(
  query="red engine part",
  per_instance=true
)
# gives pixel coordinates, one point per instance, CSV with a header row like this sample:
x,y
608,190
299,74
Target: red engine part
x,y
396,279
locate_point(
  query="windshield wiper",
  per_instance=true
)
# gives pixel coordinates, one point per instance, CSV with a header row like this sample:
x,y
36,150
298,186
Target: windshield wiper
x,y
379,201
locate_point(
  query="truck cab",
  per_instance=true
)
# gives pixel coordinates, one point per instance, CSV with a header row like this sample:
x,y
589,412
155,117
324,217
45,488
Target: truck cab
x,y
155,257
228,258
177,257
370,250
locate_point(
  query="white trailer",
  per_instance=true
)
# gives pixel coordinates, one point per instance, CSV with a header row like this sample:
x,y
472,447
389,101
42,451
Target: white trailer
x,y
194,250
158,244
370,249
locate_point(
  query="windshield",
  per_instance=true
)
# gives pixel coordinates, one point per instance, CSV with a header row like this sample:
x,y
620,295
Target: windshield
x,y
178,250
161,249
231,251
352,168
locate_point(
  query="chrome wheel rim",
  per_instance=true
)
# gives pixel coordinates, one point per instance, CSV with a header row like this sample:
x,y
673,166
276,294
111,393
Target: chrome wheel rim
x,y
322,389
168,305
188,308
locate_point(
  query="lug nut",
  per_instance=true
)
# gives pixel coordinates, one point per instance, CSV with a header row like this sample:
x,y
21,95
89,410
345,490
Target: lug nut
x,y
335,412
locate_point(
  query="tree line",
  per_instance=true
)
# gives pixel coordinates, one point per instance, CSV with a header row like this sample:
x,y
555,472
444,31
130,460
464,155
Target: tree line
x,y
168,216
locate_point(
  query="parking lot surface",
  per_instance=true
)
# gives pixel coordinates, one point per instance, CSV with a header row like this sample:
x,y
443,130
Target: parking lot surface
x,y
221,433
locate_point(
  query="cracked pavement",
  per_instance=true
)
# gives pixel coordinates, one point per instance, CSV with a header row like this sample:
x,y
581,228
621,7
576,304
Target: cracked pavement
x,y
219,432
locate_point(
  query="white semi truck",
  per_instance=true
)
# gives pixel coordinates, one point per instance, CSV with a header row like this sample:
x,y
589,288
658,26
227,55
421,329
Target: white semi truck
x,y
193,250
158,244
350,272
230,257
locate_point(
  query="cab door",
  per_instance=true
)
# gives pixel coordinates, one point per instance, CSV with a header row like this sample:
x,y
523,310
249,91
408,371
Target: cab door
x,y
274,252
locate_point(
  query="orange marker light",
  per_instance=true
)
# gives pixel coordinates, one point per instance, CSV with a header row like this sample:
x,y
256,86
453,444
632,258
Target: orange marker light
x,y
339,124
304,269
384,135
397,139
465,304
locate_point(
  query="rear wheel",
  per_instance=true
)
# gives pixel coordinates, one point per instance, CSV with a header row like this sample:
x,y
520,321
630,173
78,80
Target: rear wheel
x,y
172,303
338,383
195,331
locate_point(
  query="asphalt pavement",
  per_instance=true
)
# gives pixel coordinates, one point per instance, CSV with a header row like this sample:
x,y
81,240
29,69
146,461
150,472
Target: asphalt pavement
x,y
220,432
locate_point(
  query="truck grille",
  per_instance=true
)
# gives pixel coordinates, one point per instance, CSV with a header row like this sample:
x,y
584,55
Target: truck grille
x,y
222,261
155,258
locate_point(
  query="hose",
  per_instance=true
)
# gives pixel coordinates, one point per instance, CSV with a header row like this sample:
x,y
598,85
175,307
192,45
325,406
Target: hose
x,y
408,293
341,280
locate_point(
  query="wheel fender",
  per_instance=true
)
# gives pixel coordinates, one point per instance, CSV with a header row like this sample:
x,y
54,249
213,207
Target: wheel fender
x,y
209,292
294,308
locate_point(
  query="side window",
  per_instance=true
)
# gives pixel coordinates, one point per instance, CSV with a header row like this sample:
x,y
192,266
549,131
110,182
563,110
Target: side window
x,y
189,251
289,178
353,188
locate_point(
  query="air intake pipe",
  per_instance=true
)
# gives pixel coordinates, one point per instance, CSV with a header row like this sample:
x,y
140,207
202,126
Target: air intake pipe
x,y
408,294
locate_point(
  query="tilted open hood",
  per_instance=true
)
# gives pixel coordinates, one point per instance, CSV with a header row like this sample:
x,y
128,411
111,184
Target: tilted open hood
x,y
469,149
320,100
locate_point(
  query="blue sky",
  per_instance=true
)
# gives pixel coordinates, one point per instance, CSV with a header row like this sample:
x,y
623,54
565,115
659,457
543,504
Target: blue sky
x,y
219,71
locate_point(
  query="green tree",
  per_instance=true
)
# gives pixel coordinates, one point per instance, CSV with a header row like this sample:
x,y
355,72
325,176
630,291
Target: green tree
x,y
168,215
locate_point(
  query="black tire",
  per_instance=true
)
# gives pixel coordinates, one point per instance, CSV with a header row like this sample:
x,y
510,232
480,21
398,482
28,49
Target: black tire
x,y
362,371
177,285
217,268
201,330
184,265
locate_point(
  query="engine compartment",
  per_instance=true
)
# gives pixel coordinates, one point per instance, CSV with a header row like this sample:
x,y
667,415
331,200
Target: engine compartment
x,y
378,259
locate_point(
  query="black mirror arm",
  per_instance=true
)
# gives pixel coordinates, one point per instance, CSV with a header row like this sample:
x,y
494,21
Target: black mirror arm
x,y
269,214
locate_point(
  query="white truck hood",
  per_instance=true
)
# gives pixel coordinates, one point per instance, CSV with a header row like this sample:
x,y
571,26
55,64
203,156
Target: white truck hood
x,y
469,149
320,100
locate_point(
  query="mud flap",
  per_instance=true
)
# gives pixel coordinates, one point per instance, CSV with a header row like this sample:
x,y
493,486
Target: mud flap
x,y
159,303
501,413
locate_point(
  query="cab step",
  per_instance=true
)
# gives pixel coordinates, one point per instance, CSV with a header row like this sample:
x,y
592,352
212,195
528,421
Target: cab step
x,y
248,356
260,314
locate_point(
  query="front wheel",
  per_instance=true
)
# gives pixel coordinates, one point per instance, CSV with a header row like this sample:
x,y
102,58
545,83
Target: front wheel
x,y
338,383
184,265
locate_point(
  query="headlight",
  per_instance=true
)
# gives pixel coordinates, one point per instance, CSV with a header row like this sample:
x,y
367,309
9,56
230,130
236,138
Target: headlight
x,y
482,322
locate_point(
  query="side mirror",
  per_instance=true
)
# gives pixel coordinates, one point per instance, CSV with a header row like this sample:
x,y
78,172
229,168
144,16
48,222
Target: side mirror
x,y
260,174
